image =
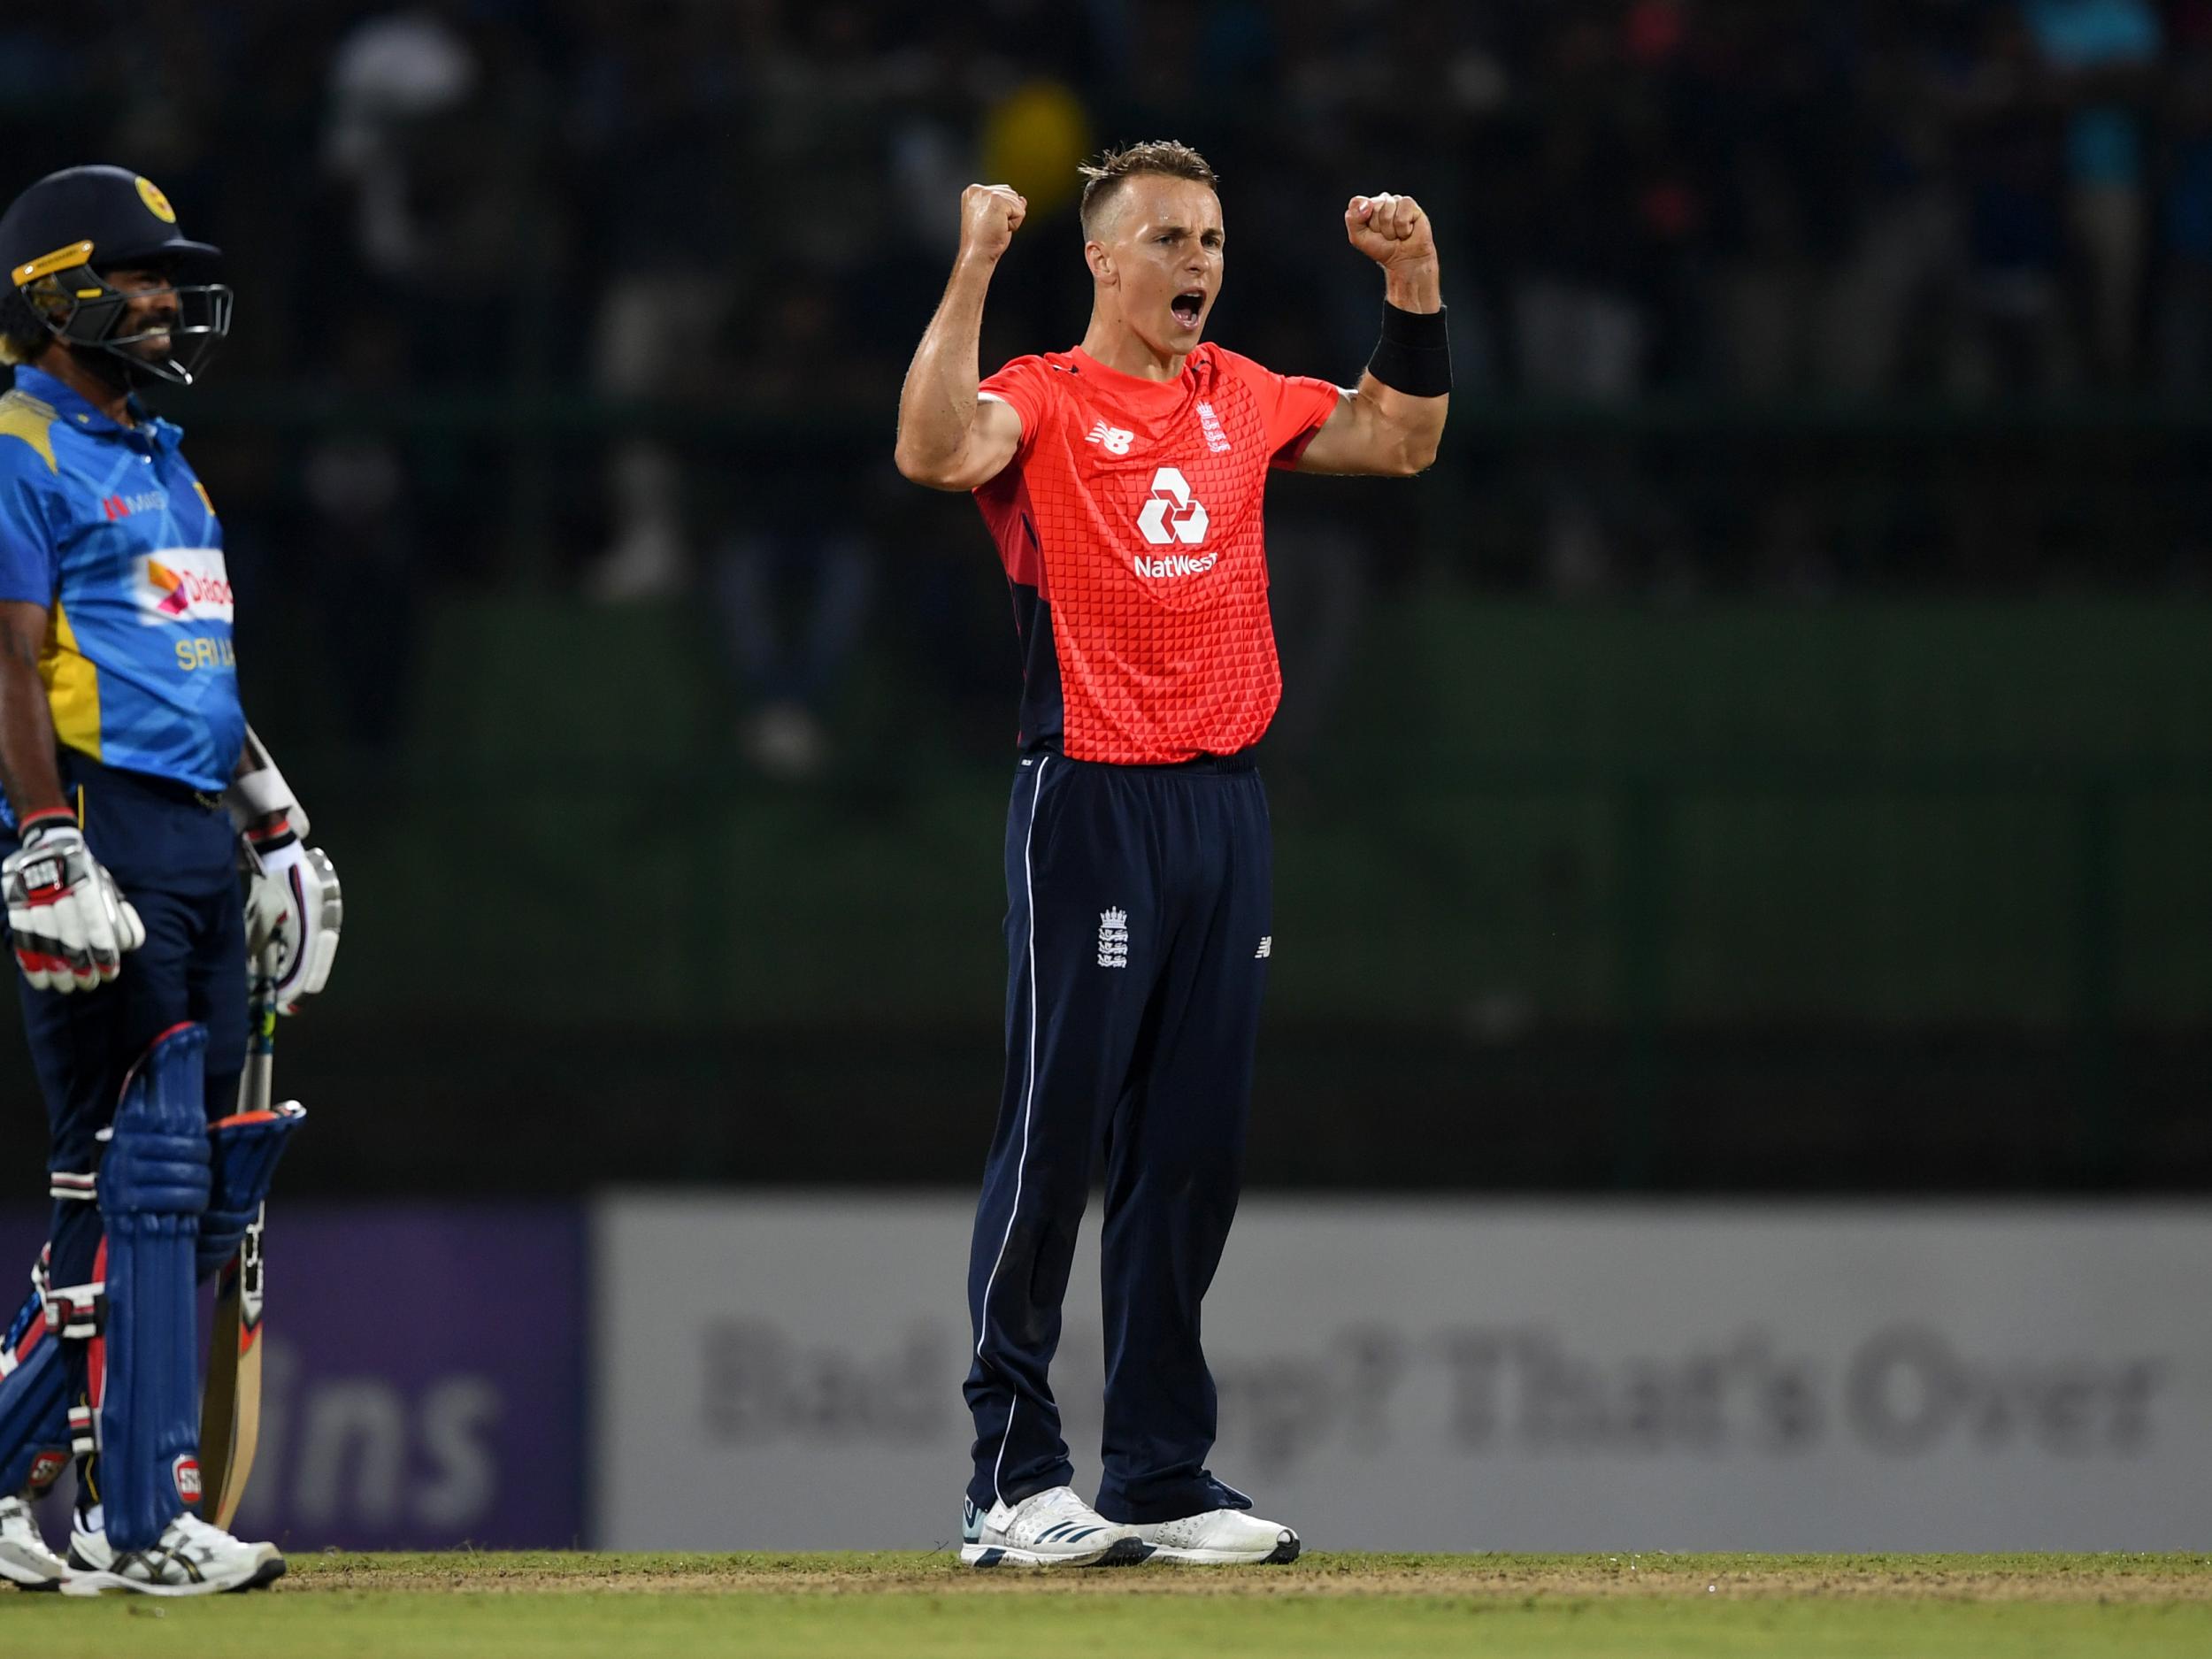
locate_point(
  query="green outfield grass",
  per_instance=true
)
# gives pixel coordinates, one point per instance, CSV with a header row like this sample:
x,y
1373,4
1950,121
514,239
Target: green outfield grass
x,y
890,1606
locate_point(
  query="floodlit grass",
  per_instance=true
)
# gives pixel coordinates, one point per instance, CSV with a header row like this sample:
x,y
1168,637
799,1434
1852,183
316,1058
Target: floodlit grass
x,y
1818,1607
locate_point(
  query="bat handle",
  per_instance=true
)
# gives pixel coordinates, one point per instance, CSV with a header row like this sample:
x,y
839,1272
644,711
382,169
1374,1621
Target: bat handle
x,y
256,1087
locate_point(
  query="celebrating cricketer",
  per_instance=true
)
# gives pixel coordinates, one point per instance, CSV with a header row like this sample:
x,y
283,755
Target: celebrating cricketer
x,y
1123,481
133,794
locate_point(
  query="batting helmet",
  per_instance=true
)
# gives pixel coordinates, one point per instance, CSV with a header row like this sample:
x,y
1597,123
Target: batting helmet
x,y
58,235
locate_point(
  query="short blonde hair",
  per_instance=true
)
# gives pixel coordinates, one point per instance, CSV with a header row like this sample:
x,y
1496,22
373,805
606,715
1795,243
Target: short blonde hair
x,y
1164,156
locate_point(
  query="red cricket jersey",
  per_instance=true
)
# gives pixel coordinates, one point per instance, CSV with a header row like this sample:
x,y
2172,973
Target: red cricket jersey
x,y
1129,525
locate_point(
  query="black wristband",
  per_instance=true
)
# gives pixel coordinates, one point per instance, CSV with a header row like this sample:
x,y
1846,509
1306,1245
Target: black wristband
x,y
1414,355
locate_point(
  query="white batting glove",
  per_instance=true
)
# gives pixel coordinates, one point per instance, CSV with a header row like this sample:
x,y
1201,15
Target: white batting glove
x,y
68,923
294,912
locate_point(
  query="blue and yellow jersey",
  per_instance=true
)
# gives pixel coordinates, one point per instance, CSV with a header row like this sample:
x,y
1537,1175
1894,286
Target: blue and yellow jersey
x,y
107,526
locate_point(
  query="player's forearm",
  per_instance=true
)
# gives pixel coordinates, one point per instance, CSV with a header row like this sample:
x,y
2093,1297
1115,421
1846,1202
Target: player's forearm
x,y
937,404
1409,425
1416,286
28,770
1411,428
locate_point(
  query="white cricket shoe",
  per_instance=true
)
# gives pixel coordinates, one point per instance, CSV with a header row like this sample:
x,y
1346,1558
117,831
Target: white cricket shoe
x,y
1050,1529
1220,1538
191,1558
24,1558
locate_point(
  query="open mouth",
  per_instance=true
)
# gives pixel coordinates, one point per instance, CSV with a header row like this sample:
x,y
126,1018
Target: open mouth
x,y
1189,307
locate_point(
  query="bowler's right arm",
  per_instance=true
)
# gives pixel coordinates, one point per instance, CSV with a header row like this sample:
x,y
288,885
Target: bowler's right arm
x,y
950,438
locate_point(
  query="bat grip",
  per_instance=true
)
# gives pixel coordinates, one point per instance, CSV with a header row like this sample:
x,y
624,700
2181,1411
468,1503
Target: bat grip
x,y
257,1087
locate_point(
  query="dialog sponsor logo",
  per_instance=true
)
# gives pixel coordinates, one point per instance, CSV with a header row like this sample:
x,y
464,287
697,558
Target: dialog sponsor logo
x,y
184,585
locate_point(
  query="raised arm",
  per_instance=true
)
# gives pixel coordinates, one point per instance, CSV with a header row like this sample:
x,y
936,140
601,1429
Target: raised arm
x,y
1391,423
948,437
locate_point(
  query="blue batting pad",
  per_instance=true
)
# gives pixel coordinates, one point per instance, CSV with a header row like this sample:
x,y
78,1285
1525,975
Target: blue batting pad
x,y
153,1185
34,1401
245,1150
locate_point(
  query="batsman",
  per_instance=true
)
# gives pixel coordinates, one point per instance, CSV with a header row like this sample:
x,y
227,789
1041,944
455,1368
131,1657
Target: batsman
x,y
135,792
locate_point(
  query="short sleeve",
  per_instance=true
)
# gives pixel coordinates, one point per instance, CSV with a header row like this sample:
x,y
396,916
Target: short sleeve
x,y
1026,384
27,542
1293,407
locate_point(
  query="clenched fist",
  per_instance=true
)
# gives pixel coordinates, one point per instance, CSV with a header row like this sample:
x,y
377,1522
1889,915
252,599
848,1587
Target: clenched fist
x,y
1390,230
989,216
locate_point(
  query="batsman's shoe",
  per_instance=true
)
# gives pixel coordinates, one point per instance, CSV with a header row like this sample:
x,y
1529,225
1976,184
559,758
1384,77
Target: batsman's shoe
x,y
24,1558
1051,1529
1220,1538
191,1558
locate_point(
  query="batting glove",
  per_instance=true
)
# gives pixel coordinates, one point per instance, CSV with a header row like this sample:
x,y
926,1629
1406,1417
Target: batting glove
x,y
293,912
68,923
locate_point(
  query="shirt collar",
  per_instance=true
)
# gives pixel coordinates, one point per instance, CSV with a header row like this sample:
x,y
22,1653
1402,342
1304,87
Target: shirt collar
x,y
1137,385
83,417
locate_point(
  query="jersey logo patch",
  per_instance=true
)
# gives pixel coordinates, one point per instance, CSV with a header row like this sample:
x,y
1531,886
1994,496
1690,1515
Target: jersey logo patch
x,y
1113,439
123,506
1172,515
1210,423
184,584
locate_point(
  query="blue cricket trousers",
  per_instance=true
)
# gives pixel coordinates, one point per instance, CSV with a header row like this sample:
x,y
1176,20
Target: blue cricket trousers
x,y
1137,931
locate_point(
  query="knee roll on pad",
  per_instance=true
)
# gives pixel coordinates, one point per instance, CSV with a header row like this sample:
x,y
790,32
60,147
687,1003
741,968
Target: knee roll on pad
x,y
154,1183
244,1150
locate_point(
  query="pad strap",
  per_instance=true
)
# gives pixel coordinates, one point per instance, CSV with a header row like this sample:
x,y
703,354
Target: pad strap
x,y
78,1313
72,1186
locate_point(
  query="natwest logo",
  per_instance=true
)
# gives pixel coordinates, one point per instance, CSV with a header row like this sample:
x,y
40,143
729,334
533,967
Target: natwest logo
x,y
1172,515
1174,564
184,584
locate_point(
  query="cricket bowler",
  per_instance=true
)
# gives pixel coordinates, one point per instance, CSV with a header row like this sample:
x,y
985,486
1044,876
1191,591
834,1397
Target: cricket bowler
x,y
129,777
1123,481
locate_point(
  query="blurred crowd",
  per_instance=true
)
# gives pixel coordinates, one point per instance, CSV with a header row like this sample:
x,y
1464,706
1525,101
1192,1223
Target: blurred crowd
x,y
741,209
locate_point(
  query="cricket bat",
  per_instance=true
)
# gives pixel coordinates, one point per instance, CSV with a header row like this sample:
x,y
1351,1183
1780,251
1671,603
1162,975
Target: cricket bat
x,y
230,1407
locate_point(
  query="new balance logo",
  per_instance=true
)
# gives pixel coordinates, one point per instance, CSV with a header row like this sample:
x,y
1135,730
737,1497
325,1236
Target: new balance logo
x,y
1266,950
1113,439
1113,938
1172,515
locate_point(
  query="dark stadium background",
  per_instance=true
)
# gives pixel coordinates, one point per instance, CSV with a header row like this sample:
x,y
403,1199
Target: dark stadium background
x,y
1770,753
